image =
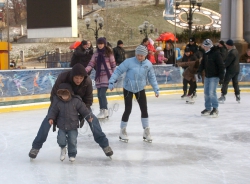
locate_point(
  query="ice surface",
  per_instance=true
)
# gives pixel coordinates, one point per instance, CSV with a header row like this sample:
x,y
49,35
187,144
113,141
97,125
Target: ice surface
x,y
186,148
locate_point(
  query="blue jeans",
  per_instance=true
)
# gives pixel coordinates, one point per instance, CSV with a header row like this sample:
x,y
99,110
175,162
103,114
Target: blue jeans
x,y
210,85
68,137
101,93
99,136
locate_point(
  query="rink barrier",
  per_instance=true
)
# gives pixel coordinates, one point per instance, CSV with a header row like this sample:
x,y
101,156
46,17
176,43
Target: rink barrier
x,y
30,88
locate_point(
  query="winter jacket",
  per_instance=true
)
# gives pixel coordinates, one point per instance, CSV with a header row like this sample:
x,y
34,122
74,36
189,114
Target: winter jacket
x,y
119,54
82,56
170,55
65,113
212,63
110,62
189,58
151,52
223,52
137,74
161,59
84,90
191,69
232,62
193,48
244,58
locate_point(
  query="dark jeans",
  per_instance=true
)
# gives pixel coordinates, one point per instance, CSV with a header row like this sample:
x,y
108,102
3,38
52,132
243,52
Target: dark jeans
x,y
185,83
101,93
227,79
69,138
141,99
95,127
192,87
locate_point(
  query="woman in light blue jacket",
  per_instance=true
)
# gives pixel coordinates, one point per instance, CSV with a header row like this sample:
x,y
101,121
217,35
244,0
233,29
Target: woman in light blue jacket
x,y
138,70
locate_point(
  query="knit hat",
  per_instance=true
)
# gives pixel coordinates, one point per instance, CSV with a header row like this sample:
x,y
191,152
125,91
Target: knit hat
x,y
230,42
119,42
101,40
187,49
78,70
158,49
161,53
207,43
141,50
84,42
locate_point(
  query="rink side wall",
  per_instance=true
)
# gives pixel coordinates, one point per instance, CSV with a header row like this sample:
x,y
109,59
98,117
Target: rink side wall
x,y
30,89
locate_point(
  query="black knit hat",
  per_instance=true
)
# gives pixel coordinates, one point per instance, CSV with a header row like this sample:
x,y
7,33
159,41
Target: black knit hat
x,y
187,49
230,42
222,42
78,70
119,42
84,42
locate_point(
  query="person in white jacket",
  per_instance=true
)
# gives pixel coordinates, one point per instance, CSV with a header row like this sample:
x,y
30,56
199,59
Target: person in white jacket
x,y
138,70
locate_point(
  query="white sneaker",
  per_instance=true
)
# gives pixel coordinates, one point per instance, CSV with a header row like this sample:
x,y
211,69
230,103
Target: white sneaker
x,y
123,135
101,114
72,159
63,153
146,135
106,113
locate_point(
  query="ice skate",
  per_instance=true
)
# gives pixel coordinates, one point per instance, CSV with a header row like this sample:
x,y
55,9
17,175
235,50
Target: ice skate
x,y
194,94
103,114
190,100
33,153
63,153
72,159
237,98
205,112
146,135
184,95
214,113
123,135
108,151
222,99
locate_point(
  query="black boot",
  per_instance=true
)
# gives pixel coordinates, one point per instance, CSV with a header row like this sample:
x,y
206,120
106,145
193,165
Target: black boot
x,y
184,95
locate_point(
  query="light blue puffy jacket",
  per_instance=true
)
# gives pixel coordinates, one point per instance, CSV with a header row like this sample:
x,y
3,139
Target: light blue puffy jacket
x,y
137,74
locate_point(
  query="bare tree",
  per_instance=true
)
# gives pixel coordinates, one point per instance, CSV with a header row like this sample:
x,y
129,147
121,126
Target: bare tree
x,y
157,2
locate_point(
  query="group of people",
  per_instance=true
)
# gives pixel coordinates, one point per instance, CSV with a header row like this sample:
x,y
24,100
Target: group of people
x,y
72,96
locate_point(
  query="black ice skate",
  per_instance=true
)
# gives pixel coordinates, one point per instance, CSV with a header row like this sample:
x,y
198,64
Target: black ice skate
x,y
214,113
184,95
146,135
33,153
108,151
237,98
222,99
205,112
123,135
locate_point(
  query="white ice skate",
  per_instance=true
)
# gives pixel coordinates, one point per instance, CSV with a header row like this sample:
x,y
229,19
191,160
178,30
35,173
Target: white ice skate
x,y
104,113
63,153
146,135
72,159
190,100
237,98
123,135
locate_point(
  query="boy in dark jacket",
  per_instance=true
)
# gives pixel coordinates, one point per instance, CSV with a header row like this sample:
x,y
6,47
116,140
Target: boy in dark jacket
x,y
64,110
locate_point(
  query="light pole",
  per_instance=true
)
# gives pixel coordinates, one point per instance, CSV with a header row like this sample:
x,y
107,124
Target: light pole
x,y
190,12
98,24
145,27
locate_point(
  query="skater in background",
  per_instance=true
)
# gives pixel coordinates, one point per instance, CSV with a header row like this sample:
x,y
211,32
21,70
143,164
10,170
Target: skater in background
x,y
138,70
169,53
213,66
192,45
189,77
187,57
64,111
151,51
161,58
104,62
119,53
82,86
223,49
157,51
232,67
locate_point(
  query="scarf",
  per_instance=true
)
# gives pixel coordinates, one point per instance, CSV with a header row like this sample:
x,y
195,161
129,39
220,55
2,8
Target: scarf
x,y
99,62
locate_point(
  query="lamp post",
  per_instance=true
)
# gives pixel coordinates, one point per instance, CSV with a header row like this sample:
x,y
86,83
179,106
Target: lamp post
x,y
145,27
98,24
190,12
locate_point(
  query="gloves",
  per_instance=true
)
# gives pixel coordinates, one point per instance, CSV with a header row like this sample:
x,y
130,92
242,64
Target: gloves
x,y
81,119
82,123
221,81
199,75
54,126
111,86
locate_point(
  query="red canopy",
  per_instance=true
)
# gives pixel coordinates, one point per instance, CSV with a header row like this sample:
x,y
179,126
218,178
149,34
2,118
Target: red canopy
x,y
166,36
74,45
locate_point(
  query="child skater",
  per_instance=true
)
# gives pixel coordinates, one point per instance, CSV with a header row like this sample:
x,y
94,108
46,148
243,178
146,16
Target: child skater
x,y
161,58
64,110
138,70
104,61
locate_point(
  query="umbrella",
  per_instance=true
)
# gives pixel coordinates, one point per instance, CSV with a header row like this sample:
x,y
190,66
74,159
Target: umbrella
x,y
74,45
166,37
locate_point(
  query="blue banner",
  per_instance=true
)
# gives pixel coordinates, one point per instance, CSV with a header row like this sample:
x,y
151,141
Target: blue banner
x,y
168,13
101,3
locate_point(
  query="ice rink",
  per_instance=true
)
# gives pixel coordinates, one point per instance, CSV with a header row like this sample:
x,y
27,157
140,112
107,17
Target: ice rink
x,y
186,149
